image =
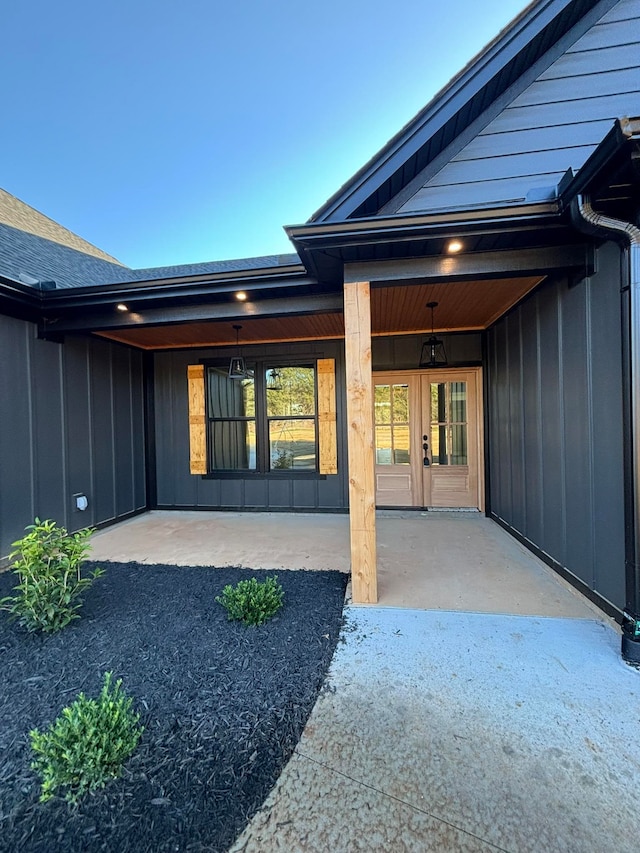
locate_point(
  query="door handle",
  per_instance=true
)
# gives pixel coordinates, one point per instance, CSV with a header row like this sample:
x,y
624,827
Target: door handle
x,y
425,447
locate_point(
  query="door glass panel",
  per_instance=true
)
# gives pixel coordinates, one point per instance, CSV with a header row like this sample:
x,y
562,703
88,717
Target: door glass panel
x,y
458,402
401,444
449,423
383,404
459,444
391,412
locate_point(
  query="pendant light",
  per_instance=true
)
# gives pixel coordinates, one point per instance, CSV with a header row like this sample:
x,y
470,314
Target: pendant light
x,y
433,352
274,380
237,369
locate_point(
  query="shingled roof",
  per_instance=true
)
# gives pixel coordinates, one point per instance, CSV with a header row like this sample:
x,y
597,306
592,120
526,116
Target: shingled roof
x,y
35,249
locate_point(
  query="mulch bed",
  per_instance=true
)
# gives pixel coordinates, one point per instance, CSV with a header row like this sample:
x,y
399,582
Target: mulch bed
x,y
223,705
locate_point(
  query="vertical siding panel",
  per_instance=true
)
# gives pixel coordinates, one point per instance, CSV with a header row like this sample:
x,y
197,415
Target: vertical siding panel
x,y
551,432
48,430
577,455
78,430
502,449
532,474
123,461
516,423
102,430
606,431
16,499
136,380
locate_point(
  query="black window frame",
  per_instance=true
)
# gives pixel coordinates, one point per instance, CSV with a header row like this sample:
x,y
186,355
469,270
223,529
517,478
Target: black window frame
x,y
260,365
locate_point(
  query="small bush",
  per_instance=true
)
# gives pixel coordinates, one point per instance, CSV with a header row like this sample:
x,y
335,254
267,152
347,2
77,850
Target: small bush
x,y
47,561
252,602
87,744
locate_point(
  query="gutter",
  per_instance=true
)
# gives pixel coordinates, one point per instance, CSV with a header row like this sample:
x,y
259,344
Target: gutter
x,y
627,234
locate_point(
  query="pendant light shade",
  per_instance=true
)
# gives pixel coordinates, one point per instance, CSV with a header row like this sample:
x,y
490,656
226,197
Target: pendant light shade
x,y
433,352
237,368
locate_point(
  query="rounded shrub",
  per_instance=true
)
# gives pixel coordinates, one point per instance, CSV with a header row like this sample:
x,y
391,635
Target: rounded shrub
x,y
252,601
87,744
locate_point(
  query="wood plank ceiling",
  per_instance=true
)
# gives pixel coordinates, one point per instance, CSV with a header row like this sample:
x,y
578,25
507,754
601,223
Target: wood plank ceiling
x,y
397,309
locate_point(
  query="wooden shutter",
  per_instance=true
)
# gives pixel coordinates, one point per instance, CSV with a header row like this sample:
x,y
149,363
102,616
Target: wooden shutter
x,y
197,420
328,442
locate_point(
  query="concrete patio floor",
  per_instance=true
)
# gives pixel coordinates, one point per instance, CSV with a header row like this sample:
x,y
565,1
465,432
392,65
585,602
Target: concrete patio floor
x,y
435,560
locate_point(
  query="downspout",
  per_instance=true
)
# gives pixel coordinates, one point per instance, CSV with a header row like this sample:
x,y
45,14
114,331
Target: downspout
x,y
587,220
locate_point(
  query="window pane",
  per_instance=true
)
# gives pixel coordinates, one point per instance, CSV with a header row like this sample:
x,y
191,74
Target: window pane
x,y
292,445
230,398
233,445
459,444
290,391
458,402
439,445
383,404
438,402
401,404
401,445
383,445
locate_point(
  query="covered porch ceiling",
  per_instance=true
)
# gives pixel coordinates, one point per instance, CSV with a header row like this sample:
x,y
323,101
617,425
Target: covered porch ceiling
x,y
468,305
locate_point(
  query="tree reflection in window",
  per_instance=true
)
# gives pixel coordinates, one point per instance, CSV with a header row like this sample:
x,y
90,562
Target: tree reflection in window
x,y
291,417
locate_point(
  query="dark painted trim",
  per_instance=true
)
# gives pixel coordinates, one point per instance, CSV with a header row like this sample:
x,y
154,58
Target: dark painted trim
x,y
252,475
101,525
151,485
484,343
108,318
476,265
19,300
298,511
594,597
186,286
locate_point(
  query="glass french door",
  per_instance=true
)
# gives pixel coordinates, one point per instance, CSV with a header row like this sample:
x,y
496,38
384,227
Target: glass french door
x,y
427,438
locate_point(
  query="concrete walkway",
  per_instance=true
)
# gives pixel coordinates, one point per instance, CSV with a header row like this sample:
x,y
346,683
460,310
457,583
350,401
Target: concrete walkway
x,y
445,732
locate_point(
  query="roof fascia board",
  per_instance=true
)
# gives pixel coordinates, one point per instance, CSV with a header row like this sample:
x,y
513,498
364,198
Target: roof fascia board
x,y
103,318
475,265
444,106
198,288
357,231
19,300
498,105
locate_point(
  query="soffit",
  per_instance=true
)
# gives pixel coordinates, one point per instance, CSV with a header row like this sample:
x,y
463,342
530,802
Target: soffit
x,y
395,309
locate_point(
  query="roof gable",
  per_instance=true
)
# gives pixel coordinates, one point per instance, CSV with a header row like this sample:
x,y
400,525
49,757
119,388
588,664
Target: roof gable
x,y
554,124
523,50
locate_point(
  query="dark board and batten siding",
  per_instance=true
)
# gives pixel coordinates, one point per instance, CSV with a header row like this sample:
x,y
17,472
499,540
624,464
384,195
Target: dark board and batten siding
x,y
553,124
177,488
72,422
555,425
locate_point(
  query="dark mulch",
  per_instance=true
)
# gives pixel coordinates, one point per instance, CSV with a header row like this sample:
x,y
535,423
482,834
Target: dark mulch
x,y
223,706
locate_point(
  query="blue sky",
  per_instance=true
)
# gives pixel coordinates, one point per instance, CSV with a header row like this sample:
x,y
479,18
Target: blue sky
x,y
183,131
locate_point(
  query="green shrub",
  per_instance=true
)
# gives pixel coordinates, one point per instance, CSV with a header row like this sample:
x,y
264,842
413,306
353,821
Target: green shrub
x,y
252,602
47,561
87,744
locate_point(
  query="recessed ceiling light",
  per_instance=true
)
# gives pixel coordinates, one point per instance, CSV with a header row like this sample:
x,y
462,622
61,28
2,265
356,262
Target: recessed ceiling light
x,y
454,246
241,296
121,306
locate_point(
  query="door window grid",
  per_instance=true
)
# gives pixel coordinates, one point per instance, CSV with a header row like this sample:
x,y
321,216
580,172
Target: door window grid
x,y
449,423
391,415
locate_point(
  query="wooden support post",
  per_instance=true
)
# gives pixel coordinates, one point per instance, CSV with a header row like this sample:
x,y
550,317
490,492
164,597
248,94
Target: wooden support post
x,y
362,505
